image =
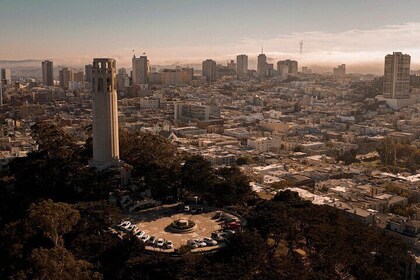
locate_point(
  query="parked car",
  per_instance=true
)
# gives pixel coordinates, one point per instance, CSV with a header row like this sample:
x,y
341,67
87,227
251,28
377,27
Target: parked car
x,y
200,243
152,240
187,208
193,210
160,242
223,234
131,227
124,224
218,237
227,219
218,215
135,230
144,238
209,241
229,231
232,225
140,234
169,244
192,243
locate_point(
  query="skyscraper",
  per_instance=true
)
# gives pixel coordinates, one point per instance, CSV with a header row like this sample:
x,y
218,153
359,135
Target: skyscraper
x,y
210,70
78,77
397,76
262,65
292,66
105,114
6,76
88,73
65,76
123,80
340,70
141,68
242,65
47,73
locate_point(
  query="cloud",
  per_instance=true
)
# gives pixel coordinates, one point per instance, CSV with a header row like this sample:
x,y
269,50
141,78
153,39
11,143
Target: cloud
x,y
361,50
353,47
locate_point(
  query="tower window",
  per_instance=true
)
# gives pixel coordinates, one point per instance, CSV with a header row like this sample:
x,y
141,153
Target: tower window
x,y
100,84
108,84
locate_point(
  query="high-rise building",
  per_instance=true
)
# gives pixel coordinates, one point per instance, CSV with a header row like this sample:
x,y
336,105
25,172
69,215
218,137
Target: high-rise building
x,y
231,65
47,73
242,65
397,76
78,77
292,66
210,70
187,75
88,73
175,76
155,78
123,80
6,76
262,65
340,70
65,76
105,114
141,69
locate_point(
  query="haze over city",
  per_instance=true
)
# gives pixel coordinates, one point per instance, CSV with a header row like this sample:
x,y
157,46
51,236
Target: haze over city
x,y
210,140
357,33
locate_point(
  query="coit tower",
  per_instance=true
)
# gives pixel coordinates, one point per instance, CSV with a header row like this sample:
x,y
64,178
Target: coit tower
x,y
105,114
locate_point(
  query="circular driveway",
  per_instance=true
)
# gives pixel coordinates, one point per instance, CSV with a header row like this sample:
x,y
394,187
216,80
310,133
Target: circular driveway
x,y
156,221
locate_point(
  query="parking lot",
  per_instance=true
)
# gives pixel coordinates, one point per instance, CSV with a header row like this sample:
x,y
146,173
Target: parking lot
x,y
155,222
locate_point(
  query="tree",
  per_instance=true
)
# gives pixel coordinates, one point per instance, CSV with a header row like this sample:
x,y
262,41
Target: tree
x,y
348,157
399,154
145,152
244,160
58,170
332,243
58,263
52,139
197,175
283,184
297,149
54,219
155,161
232,187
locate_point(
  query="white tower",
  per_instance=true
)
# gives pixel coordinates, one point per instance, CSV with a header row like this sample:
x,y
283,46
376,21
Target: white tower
x,y
105,114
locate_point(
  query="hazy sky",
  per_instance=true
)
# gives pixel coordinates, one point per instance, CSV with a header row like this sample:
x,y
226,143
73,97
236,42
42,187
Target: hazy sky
x,y
358,33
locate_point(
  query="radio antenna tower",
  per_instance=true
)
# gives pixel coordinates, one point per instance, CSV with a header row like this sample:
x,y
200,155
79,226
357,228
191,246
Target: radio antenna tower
x,y
300,46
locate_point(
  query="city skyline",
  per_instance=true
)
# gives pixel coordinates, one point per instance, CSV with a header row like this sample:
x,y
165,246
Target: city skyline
x,y
184,33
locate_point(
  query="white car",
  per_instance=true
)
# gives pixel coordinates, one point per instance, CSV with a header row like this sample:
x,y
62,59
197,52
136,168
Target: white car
x,y
136,230
140,234
144,238
200,243
130,228
192,243
160,242
124,224
218,237
210,241
169,244
152,240
229,231
187,208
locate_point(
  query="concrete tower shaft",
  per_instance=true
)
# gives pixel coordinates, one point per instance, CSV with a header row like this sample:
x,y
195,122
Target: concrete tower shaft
x,y
105,113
